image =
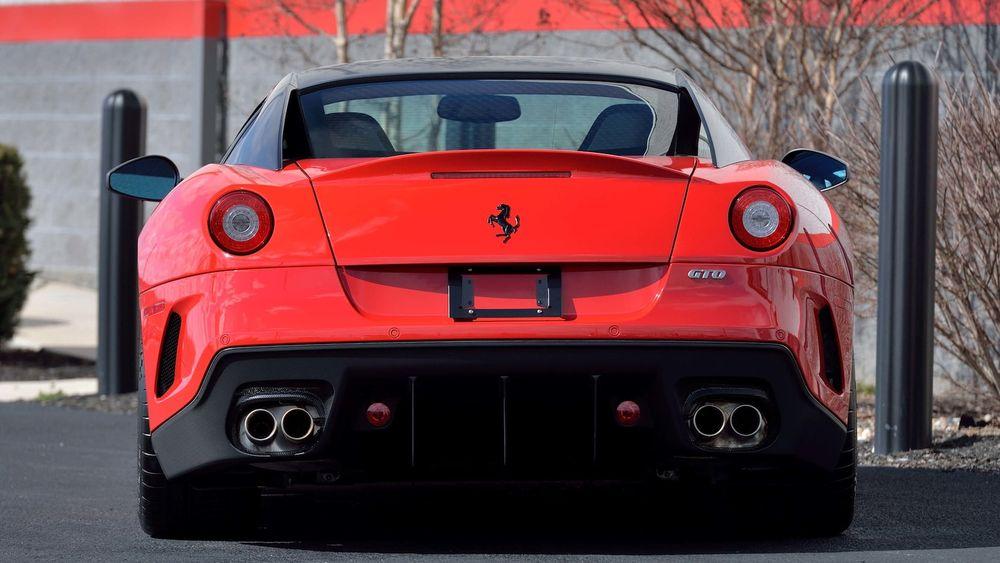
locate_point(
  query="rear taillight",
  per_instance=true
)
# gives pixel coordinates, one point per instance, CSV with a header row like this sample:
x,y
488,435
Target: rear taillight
x,y
760,218
240,222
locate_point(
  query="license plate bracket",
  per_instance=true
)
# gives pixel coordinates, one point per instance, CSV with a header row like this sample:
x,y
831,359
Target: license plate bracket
x,y
462,297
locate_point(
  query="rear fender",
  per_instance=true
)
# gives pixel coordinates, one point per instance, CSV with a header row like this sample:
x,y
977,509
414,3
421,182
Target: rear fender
x,y
175,243
704,234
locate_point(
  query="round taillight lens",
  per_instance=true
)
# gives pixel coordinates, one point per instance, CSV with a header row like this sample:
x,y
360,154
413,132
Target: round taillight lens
x,y
760,218
241,222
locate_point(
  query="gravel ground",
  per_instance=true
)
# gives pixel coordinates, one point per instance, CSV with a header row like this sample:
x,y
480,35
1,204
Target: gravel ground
x,y
29,365
965,432
117,404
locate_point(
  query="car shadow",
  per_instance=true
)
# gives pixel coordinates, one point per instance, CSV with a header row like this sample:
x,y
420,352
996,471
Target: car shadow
x,y
897,509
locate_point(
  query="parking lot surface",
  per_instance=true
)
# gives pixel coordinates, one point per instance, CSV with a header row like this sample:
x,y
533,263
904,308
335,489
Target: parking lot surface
x,y
67,491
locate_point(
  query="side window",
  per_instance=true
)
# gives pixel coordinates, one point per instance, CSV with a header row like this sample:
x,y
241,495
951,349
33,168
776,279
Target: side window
x,y
259,145
294,140
227,158
724,144
704,149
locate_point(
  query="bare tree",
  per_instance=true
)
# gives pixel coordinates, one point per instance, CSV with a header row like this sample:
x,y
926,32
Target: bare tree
x,y
340,12
437,30
398,17
294,9
779,67
967,321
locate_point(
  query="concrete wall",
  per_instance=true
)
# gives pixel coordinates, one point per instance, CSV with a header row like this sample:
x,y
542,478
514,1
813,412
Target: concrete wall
x,y
50,109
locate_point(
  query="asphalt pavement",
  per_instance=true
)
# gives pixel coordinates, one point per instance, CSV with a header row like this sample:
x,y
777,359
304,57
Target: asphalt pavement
x,y
67,491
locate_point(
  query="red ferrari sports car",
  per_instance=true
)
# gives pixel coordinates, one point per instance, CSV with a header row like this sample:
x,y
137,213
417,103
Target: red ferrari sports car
x,y
510,270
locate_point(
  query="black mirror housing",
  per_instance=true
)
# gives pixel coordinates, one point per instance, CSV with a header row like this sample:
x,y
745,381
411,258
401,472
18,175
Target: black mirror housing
x,y
822,170
148,178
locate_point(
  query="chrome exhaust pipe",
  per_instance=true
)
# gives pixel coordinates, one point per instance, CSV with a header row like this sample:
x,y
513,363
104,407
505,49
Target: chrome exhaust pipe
x,y
260,426
746,420
297,424
708,420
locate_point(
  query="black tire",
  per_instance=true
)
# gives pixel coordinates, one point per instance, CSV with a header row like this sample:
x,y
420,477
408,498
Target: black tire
x,y
828,509
175,509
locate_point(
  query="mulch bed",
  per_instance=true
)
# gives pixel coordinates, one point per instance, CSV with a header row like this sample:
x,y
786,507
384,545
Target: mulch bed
x,y
29,365
116,404
965,435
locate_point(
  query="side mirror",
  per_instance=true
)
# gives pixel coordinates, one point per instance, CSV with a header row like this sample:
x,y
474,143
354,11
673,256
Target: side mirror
x,y
148,177
824,171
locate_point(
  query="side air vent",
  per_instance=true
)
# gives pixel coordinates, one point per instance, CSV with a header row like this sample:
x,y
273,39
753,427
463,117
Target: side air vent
x,y
833,372
168,355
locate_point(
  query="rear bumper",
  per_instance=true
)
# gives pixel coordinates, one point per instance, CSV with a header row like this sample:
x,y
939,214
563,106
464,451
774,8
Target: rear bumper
x,y
503,410
312,306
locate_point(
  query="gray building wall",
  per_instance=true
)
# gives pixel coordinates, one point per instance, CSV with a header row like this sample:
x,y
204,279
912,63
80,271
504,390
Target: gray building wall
x,y
50,109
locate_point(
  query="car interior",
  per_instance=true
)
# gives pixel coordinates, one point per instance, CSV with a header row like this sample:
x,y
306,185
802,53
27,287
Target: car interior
x,y
470,121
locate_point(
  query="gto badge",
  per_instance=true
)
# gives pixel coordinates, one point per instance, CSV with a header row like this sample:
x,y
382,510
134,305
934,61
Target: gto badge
x,y
707,274
500,219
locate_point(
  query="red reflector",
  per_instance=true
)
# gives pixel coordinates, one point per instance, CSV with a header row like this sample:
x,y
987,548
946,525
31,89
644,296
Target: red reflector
x,y
628,413
378,414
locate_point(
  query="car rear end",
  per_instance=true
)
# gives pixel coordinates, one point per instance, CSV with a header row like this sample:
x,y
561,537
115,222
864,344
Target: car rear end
x,y
501,314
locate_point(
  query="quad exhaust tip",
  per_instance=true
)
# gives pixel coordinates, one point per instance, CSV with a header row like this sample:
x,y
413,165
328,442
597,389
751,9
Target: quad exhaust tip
x,y
746,420
708,420
260,425
297,424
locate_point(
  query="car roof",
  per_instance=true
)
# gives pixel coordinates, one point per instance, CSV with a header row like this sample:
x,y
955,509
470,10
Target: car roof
x,y
427,67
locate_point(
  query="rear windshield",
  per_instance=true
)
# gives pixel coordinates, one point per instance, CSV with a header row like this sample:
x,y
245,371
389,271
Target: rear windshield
x,y
401,117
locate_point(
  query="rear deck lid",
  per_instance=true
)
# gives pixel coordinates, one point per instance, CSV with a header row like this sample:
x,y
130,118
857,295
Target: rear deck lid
x,y
500,207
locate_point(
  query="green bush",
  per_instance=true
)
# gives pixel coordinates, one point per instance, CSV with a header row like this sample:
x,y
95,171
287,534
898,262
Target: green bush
x,y
14,275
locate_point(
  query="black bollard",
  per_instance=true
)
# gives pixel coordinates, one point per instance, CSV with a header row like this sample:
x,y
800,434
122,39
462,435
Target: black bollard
x,y
123,137
907,225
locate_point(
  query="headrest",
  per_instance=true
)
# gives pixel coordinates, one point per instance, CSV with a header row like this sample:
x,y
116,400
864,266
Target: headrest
x,y
621,129
353,134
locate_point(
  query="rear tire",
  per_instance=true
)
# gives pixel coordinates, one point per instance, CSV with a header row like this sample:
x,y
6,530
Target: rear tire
x,y
176,508
827,509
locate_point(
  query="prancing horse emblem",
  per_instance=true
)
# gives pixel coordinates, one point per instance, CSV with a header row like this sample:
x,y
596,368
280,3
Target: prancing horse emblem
x,y
501,219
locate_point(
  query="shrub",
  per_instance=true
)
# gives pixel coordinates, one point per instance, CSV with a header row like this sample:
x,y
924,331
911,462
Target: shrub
x,y
14,275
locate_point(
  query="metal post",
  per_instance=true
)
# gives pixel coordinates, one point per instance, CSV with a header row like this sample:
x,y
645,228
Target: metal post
x,y
211,59
123,137
907,224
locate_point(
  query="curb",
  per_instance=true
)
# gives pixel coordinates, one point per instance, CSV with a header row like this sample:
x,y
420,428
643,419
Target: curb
x,y
30,390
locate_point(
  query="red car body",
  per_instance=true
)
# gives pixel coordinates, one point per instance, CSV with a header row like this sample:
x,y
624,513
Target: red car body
x,y
384,286
363,255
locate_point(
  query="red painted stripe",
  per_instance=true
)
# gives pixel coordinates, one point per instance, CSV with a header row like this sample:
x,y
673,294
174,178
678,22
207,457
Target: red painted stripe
x,y
248,19
184,19
163,19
